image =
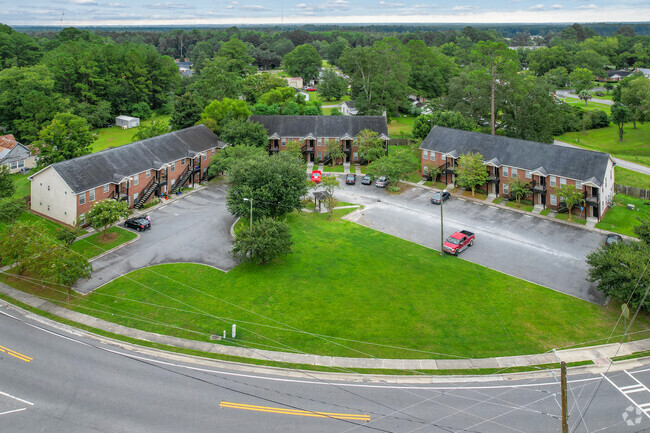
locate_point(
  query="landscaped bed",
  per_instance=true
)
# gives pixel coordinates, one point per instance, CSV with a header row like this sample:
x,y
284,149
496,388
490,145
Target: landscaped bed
x,y
354,292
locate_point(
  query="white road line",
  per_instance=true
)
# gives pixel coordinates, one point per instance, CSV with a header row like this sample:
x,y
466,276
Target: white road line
x,y
16,398
12,411
625,394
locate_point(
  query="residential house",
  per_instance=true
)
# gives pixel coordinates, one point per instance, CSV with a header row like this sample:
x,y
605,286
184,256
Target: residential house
x,y
544,166
295,82
614,76
644,71
313,133
17,157
348,108
135,172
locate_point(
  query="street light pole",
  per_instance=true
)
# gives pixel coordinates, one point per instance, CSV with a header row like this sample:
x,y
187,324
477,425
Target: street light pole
x,y
251,215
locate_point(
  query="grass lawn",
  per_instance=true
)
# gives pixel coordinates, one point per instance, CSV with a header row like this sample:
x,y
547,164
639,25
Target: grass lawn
x,y
477,195
620,219
96,244
335,169
436,185
627,177
606,96
349,308
401,126
545,212
116,136
50,226
22,184
574,218
590,105
634,148
520,206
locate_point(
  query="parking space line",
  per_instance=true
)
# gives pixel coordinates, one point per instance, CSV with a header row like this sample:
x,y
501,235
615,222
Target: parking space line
x,y
16,398
631,389
13,411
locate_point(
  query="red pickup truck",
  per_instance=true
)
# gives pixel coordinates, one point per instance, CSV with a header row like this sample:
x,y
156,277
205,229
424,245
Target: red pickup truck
x,y
458,242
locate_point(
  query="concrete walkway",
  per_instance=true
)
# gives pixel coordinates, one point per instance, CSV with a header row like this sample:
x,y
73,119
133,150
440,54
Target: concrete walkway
x,y
600,355
620,162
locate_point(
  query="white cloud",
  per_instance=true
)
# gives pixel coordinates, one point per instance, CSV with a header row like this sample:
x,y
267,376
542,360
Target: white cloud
x,y
84,2
384,4
116,5
539,7
464,8
168,5
557,6
589,6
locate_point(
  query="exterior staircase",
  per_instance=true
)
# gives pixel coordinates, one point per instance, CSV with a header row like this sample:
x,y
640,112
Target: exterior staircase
x,y
182,180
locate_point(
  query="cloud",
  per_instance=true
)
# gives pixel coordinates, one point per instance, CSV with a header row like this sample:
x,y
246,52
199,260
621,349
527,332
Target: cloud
x,y
84,2
589,6
116,5
384,4
237,5
464,8
167,5
328,5
557,6
539,7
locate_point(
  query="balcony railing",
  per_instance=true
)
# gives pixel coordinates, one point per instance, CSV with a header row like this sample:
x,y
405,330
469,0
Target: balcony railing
x,y
538,187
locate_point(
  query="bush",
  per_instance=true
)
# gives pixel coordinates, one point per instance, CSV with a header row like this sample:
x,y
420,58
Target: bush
x,y
65,236
10,209
141,110
599,119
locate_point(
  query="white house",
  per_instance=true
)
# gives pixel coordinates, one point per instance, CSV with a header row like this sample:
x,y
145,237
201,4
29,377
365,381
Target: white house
x,y
15,156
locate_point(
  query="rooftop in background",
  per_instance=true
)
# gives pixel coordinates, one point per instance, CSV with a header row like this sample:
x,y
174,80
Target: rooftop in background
x,y
321,126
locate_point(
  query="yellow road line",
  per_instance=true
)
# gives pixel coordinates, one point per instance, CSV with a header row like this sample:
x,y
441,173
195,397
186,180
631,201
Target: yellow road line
x,y
15,354
296,412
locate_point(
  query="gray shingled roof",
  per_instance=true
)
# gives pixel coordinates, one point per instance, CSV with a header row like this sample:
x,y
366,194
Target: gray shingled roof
x,y
530,155
112,165
321,126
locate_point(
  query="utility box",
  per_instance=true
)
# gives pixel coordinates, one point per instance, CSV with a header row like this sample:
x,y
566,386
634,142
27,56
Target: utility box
x,y
630,206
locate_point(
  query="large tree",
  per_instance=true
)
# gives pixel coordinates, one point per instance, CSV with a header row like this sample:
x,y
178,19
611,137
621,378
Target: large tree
x,y
150,130
570,195
237,132
471,171
268,239
430,69
635,95
304,61
276,185
216,82
397,165
334,150
227,109
226,157
105,213
581,79
7,187
185,112
66,136
450,119
501,63
235,57
331,85
620,115
371,146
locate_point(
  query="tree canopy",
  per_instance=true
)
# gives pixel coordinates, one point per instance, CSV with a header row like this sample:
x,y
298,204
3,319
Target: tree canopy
x,y
67,136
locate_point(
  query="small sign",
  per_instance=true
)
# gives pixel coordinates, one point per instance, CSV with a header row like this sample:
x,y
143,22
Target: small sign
x,y
582,208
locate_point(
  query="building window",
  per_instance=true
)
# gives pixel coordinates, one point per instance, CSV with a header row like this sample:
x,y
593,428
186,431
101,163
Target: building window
x,y
182,162
48,187
136,180
105,188
91,195
506,188
135,197
514,172
320,155
528,174
505,171
14,165
355,156
21,164
562,181
82,198
553,200
578,184
284,141
553,181
425,154
147,174
48,207
205,157
173,182
173,166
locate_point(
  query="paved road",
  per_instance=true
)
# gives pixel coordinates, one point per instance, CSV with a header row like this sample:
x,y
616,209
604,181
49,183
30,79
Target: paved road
x,y
568,94
534,249
74,383
193,229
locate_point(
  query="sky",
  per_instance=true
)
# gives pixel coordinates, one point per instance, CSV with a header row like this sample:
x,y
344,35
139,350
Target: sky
x,y
255,12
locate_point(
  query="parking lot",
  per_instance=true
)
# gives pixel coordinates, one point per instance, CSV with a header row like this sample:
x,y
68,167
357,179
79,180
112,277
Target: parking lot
x,y
194,229
545,252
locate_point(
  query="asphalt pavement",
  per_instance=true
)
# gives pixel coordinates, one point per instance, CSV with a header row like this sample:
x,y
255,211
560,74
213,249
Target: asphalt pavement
x,y
56,379
534,249
194,229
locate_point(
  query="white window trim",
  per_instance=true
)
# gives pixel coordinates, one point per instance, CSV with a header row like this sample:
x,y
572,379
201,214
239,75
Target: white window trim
x,y
553,181
136,180
553,200
578,184
529,175
82,198
506,188
105,188
505,171
147,174
562,181
91,196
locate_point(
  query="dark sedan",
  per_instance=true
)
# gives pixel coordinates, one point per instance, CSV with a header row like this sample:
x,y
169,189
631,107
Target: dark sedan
x,y
138,223
440,196
613,239
350,179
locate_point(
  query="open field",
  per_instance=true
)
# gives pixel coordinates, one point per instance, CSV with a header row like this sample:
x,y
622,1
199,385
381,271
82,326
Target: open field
x,y
623,176
634,148
331,297
116,136
622,220
401,126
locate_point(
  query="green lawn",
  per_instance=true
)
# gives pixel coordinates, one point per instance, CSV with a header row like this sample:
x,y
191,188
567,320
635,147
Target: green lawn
x,y
22,184
50,226
626,177
96,244
116,136
605,96
520,206
408,301
335,169
590,105
620,219
575,217
401,126
634,148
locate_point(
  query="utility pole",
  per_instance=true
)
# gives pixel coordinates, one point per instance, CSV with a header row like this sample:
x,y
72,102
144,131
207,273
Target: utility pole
x,y
565,415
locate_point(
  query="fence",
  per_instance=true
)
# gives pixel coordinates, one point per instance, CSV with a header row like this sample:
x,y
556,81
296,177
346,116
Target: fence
x,y
633,191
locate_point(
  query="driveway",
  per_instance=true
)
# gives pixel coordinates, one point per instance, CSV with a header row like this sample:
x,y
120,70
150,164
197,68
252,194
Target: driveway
x,y
194,229
534,249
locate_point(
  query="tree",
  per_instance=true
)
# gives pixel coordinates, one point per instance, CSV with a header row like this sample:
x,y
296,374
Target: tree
x,y
304,61
450,119
619,271
635,95
397,166
331,85
66,136
256,85
518,188
581,79
371,146
430,69
268,240
153,129
185,112
584,95
216,82
276,184
608,87
234,54
329,184
570,195
227,109
471,171
620,115
294,148
60,265
7,187
21,241
643,230
223,160
237,132
558,77
334,150
500,61
107,212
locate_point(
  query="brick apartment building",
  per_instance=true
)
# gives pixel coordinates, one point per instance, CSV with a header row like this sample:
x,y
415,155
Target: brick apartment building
x,y
313,133
136,172
544,166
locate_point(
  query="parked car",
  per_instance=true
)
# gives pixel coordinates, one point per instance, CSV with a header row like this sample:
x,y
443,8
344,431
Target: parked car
x,y
316,175
436,198
351,179
138,223
310,89
367,180
613,239
458,242
382,182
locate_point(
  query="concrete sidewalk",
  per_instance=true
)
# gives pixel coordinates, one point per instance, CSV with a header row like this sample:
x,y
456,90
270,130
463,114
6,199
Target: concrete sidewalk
x,y
600,355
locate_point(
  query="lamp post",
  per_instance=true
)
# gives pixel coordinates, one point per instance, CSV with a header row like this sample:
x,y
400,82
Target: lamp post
x,y
250,200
